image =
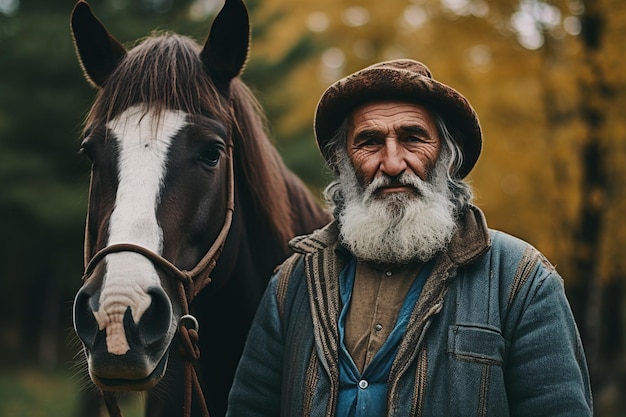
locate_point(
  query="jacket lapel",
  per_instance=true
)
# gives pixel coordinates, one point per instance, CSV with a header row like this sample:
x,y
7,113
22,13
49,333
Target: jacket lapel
x,y
322,266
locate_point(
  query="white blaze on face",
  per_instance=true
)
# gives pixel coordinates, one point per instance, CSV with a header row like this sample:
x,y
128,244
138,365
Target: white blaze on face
x,y
142,161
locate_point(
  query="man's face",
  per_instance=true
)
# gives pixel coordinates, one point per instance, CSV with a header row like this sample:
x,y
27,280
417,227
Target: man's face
x,y
389,138
397,207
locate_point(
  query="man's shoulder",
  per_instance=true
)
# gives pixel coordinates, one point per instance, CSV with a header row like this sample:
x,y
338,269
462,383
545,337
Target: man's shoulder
x,y
513,252
501,240
317,240
499,247
281,280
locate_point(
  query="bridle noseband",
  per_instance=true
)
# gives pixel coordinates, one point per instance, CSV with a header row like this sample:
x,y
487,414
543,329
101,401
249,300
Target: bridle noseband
x,y
189,284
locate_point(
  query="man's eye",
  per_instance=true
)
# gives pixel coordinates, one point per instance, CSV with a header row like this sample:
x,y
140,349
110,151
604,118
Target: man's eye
x,y
369,142
413,138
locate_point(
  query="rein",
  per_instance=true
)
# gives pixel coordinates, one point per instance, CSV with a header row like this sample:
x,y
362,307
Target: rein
x,y
190,283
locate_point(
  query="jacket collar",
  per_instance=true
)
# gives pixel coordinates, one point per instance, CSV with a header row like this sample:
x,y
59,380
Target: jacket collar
x,y
469,242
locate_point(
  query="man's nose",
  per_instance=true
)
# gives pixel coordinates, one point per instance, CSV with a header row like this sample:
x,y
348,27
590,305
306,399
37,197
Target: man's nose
x,y
393,161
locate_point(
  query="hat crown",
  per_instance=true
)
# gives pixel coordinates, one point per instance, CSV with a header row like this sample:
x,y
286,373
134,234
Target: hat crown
x,y
409,65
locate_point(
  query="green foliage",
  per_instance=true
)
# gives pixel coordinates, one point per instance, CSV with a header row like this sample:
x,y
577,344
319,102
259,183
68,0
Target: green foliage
x,y
28,393
32,392
43,182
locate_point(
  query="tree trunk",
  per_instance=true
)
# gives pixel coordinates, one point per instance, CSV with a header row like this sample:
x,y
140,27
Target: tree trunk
x,y
596,297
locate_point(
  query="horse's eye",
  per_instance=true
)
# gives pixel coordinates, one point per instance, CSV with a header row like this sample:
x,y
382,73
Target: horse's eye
x,y
210,155
85,150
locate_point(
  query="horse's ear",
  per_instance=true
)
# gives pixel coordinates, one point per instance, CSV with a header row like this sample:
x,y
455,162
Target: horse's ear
x,y
98,51
226,49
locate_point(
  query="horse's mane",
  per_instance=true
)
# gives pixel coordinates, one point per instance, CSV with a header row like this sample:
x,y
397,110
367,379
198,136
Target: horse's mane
x,y
165,72
263,168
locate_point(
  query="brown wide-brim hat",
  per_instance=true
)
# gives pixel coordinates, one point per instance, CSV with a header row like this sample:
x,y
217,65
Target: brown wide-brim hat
x,y
402,79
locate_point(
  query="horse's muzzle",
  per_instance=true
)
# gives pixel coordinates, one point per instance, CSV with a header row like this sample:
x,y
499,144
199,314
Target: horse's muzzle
x,y
143,360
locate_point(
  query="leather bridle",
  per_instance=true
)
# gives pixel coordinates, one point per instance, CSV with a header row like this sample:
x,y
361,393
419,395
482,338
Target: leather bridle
x,y
189,284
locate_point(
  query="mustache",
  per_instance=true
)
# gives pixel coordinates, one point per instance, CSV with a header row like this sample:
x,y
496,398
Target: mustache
x,y
406,179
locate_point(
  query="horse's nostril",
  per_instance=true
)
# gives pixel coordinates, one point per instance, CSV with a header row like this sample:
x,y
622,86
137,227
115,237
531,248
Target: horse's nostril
x,y
84,320
154,324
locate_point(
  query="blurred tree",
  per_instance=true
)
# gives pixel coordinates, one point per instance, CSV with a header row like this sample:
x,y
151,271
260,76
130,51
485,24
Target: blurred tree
x,y
275,57
596,232
41,203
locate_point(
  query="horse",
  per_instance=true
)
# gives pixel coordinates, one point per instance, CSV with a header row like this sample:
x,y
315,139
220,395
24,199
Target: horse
x,y
190,210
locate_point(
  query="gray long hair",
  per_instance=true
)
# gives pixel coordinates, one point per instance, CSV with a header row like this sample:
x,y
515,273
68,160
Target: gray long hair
x,y
451,156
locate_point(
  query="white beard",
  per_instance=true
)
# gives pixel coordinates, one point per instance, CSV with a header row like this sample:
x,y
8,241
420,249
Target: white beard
x,y
396,228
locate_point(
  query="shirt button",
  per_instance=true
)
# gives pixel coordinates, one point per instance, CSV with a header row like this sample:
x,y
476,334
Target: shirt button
x,y
388,273
379,327
363,384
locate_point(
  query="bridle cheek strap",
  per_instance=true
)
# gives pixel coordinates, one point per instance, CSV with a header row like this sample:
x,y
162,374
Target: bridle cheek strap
x,y
190,283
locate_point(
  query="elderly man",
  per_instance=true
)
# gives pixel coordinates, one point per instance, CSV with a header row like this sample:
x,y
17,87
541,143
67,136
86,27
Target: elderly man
x,y
407,304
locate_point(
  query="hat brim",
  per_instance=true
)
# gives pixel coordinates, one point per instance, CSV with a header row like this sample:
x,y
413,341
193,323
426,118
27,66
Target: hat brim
x,y
386,83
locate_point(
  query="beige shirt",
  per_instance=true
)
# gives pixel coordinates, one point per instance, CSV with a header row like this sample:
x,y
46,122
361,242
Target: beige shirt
x,y
377,298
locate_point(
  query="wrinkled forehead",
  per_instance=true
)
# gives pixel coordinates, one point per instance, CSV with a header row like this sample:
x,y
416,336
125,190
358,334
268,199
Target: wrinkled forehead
x,y
391,114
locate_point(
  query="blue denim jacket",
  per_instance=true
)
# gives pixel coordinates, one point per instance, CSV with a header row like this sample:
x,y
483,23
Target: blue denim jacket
x,y
492,334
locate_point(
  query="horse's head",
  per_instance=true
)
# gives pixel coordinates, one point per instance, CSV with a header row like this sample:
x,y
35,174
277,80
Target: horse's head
x,y
159,139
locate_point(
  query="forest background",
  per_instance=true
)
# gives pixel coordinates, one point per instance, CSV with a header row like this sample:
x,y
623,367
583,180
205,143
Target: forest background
x,y
547,78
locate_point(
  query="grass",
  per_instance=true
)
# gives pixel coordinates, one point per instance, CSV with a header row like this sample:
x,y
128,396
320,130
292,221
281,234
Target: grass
x,y
35,392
